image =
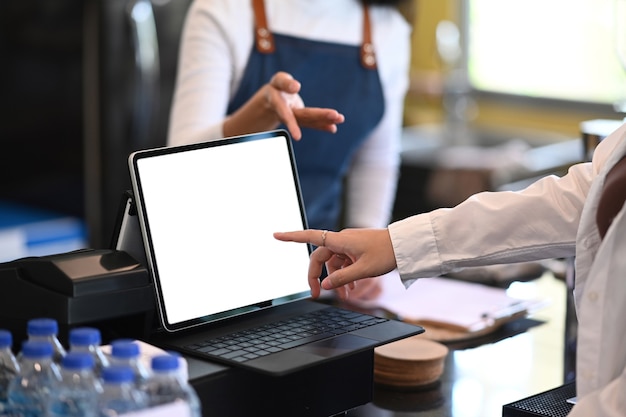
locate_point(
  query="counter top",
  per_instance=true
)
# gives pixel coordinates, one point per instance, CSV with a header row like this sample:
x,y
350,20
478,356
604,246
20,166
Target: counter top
x,y
523,358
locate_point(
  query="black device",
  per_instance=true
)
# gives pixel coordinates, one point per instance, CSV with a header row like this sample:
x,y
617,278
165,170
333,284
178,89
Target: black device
x,y
83,287
557,402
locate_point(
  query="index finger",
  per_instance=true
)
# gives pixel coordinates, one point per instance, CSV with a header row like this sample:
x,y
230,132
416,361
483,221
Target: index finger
x,y
319,118
312,236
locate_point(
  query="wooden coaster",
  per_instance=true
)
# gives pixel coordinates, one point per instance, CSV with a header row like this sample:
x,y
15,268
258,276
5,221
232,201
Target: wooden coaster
x,y
413,362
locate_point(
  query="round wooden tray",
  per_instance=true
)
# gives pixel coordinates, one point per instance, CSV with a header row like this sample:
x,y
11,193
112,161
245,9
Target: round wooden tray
x,y
414,362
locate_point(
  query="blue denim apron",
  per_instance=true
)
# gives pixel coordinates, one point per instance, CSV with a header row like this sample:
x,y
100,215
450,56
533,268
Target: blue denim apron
x,y
334,76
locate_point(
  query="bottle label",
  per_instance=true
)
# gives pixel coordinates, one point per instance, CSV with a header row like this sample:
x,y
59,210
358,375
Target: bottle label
x,y
176,409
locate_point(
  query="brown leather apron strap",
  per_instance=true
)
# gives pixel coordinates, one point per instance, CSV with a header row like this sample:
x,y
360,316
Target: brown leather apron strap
x,y
263,37
265,41
368,57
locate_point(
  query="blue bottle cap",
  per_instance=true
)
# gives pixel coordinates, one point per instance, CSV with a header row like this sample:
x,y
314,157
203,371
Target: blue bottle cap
x,y
42,327
124,349
36,349
77,360
164,363
118,374
6,339
85,336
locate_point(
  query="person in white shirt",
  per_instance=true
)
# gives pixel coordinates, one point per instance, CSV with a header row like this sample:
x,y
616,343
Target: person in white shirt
x,y
333,72
581,214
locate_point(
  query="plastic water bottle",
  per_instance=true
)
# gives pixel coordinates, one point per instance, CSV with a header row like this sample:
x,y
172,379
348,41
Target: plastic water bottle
x,y
88,339
47,330
166,386
182,366
125,352
80,389
9,367
120,394
30,391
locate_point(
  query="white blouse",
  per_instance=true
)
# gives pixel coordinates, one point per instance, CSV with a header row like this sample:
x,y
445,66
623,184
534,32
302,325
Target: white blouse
x,y
554,217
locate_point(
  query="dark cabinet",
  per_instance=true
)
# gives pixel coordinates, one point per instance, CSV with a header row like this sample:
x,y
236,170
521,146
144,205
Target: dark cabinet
x,y
83,83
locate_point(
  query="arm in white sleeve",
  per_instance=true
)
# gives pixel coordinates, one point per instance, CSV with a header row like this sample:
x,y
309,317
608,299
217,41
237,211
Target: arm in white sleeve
x,y
539,222
371,184
494,227
373,176
212,56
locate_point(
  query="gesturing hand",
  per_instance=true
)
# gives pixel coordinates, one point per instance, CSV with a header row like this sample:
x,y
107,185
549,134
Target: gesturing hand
x,y
282,96
277,102
349,255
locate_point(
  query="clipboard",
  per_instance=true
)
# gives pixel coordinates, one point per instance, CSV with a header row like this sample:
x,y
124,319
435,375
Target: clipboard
x,y
450,310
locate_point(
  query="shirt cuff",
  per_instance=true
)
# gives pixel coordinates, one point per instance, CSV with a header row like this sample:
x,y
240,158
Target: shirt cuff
x,y
415,248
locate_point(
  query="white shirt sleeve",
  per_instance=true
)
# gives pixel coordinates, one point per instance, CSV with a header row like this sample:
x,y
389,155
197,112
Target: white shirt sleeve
x,y
214,49
372,180
539,222
494,227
